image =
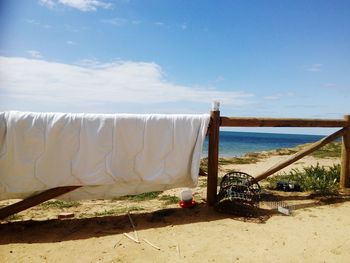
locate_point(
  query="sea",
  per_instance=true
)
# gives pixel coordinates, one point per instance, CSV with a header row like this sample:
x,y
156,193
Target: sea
x,y
235,144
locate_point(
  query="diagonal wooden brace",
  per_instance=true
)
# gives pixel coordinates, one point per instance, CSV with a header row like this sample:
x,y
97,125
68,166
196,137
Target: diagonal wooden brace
x,y
35,200
315,146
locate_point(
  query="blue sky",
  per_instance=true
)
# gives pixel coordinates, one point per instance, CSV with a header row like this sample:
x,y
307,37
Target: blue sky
x,y
259,58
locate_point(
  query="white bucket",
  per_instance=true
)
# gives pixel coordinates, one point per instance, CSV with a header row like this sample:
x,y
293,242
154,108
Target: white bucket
x,y
186,195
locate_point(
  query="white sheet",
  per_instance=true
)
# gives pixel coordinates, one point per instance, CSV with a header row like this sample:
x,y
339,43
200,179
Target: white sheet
x,y
109,154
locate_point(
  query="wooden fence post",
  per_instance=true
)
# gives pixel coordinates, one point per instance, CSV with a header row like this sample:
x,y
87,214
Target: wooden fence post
x,y
213,154
345,157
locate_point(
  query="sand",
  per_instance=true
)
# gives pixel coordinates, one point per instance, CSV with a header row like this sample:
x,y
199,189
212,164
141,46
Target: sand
x,y
317,231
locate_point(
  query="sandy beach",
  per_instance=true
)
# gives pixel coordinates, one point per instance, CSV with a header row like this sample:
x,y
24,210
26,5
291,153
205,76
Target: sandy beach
x,y
107,107
316,231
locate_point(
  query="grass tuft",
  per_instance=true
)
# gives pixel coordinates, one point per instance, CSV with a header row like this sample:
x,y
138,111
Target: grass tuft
x,y
169,199
15,217
203,183
243,160
59,204
141,197
318,179
247,159
115,211
331,150
286,151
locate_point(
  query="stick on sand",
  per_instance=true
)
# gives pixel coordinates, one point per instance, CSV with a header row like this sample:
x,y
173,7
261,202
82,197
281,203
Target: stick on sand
x,y
149,243
116,244
178,250
133,226
132,238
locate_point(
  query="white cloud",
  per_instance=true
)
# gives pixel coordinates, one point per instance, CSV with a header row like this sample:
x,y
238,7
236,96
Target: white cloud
x,y
136,22
314,67
71,28
34,53
279,96
159,24
273,97
54,83
115,21
219,78
47,3
82,5
330,85
38,23
70,42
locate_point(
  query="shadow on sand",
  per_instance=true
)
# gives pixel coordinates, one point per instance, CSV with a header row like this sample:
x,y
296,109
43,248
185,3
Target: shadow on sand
x,y
56,230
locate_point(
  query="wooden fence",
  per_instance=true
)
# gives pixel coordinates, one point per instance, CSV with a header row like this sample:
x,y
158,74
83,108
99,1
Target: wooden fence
x,y
213,154
213,147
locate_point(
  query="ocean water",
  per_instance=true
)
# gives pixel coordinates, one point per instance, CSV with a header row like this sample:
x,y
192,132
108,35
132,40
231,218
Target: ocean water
x,y
234,144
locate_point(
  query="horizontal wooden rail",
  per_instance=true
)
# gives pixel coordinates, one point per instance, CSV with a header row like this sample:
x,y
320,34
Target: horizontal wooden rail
x,y
315,146
280,122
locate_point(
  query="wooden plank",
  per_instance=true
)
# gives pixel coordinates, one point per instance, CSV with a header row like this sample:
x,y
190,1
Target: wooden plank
x,y
300,154
35,200
213,157
345,157
280,122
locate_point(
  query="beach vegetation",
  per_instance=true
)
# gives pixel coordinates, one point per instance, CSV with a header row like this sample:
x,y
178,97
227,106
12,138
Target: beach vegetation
x,y
111,212
203,183
318,179
330,150
169,199
60,204
247,159
204,164
244,160
286,151
15,217
140,197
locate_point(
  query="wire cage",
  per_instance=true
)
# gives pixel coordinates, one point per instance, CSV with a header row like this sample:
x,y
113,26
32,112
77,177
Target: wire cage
x,y
239,188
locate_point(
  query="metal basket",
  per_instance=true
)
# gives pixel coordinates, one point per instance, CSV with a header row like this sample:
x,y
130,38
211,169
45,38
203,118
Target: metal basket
x,y
239,187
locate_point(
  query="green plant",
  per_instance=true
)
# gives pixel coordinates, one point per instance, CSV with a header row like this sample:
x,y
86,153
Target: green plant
x,y
247,159
14,217
60,204
203,183
319,179
140,197
332,149
117,211
169,199
204,164
286,151
243,160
